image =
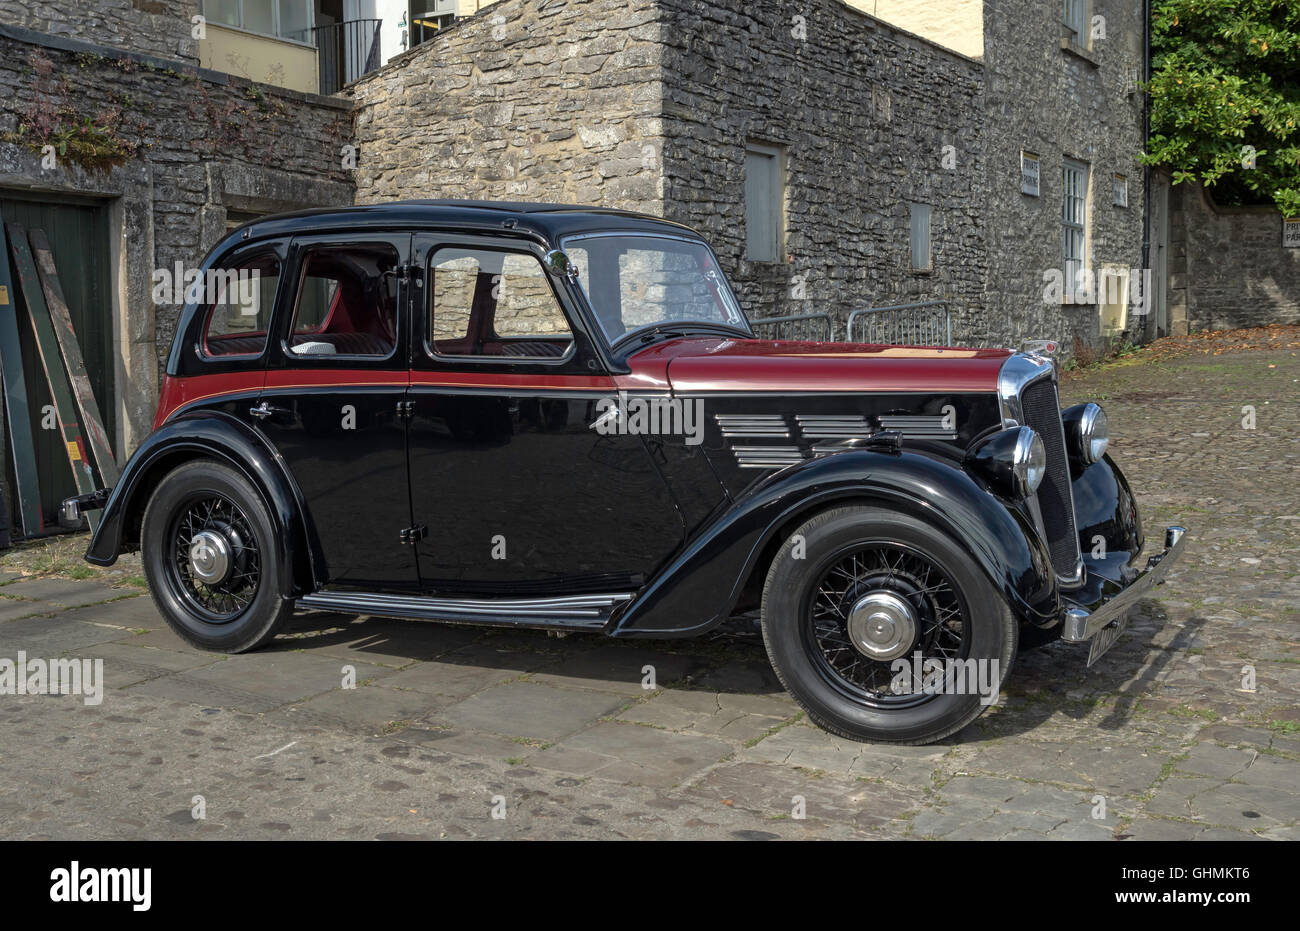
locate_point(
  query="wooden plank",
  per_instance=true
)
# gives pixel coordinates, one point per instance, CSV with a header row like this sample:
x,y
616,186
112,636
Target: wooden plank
x,y
92,423
65,405
27,495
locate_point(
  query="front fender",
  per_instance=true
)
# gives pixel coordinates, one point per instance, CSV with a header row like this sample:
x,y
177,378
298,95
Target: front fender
x,y
1107,517
208,435
700,587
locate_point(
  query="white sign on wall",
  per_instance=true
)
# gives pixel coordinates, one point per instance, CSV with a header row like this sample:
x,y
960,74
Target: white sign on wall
x,y
1029,174
1121,191
1291,234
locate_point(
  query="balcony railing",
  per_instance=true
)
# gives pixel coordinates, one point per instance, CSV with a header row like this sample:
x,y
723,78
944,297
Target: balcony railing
x,y
347,51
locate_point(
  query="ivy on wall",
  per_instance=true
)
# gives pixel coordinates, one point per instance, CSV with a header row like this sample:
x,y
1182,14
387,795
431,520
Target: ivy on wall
x,y
57,123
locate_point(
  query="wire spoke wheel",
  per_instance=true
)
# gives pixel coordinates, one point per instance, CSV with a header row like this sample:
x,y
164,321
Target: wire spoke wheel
x,y
876,603
214,565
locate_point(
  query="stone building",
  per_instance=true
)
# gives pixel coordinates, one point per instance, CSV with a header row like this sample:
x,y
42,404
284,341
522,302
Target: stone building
x,y
836,158
152,158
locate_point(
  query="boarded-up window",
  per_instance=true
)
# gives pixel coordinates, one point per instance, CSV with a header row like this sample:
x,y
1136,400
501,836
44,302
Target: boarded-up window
x,y
920,237
764,203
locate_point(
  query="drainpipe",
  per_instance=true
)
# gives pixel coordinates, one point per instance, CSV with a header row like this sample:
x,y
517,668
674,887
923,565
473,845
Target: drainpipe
x,y
1146,169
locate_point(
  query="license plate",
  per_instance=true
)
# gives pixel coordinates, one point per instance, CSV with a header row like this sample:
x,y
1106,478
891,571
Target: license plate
x,y
1106,637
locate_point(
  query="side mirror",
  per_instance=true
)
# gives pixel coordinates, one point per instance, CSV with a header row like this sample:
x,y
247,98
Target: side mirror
x,y
559,264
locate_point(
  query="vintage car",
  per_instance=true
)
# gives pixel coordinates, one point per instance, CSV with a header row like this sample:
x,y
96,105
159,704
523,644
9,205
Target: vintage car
x,y
557,417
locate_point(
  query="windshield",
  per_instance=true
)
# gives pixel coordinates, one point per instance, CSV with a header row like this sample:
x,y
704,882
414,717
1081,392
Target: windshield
x,y
634,282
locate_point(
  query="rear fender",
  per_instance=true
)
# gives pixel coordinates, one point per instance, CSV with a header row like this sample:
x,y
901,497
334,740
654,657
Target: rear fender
x,y
208,435
700,587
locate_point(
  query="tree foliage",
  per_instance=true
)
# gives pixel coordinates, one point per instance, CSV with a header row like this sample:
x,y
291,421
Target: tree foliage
x,y
1225,98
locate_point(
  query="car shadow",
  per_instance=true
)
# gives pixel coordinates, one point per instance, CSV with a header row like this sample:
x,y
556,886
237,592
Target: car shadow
x,y
730,659
1047,680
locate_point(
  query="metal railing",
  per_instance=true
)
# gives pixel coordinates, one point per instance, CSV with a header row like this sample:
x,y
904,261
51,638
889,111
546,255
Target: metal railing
x,y
924,323
814,327
348,50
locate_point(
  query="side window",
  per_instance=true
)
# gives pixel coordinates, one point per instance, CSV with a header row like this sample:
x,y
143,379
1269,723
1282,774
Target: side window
x,y
346,303
488,303
240,299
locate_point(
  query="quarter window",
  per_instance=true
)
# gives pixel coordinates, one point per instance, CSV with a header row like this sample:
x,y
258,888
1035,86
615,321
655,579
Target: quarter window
x,y
239,299
1074,217
490,303
347,302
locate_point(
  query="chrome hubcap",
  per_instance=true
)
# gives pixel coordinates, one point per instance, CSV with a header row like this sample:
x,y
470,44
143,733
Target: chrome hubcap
x,y
209,557
882,626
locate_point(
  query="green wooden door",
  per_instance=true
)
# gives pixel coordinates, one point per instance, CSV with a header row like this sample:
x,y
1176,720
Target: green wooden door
x,y
78,234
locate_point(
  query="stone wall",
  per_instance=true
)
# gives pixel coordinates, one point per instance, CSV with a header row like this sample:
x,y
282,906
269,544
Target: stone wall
x,y
649,106
863,113
1229,267
195,147
523,101
1057,103
153,27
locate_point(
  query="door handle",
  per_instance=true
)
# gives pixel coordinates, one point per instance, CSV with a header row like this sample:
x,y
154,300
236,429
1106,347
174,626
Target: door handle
x,y
613,415
265,410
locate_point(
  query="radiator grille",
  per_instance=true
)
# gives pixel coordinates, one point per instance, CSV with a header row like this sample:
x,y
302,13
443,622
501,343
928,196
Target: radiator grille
x,y
1042,413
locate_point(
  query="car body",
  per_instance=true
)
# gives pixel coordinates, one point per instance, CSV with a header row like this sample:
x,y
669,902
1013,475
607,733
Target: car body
x,y
558,417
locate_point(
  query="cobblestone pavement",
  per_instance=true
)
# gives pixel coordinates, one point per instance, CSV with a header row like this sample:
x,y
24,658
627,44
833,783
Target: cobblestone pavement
x,y
446,723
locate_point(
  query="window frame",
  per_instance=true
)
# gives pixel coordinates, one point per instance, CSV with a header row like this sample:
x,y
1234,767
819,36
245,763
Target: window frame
x,y
301,251
575,239
428,310
777,154
1079,31
1069,196
237,259
275,23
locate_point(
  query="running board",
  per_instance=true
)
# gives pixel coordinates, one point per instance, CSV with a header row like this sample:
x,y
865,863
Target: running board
x,y
587,612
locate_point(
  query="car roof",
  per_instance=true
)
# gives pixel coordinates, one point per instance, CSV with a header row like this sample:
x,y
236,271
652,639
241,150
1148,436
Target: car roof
x,y
546,221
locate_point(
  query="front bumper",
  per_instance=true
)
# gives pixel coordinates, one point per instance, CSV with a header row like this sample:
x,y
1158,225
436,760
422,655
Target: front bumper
x,y
1082,624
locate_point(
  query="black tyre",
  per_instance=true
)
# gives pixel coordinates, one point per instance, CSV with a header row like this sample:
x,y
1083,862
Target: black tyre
x,y
209,555
854,591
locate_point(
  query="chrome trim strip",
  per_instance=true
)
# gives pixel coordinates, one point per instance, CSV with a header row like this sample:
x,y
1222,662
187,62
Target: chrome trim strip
x,y
833,426
1013,378
768,425
918,426
767,457
571,606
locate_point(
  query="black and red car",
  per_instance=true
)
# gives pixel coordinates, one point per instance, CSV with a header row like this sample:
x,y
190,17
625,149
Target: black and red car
x,y
557,417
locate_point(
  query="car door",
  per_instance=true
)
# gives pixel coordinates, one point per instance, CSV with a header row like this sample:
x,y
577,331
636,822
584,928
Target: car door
x,y
332,403
518,491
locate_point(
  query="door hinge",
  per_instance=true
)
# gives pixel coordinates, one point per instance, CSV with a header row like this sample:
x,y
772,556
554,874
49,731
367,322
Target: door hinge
x,y
413,534
411,273
405,409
